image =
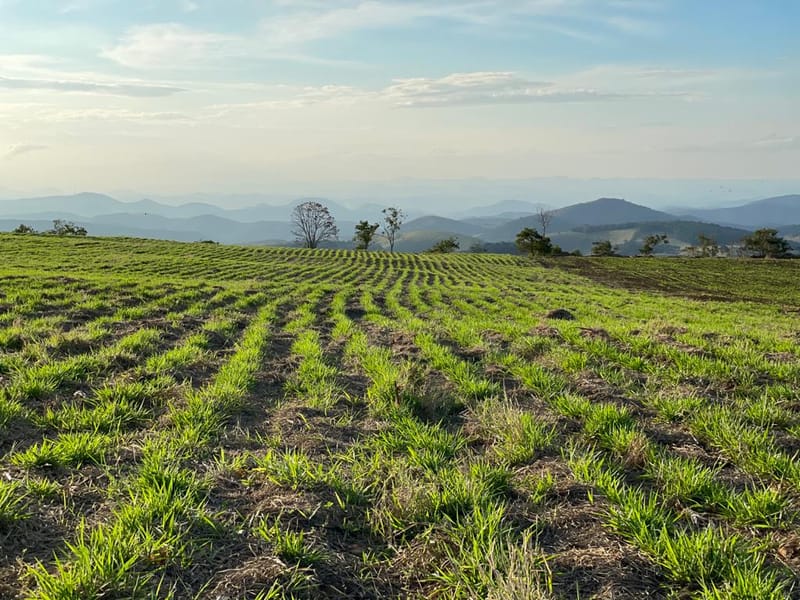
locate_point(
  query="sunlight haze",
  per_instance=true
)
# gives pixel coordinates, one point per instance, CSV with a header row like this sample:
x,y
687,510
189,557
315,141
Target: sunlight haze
x,y
178,96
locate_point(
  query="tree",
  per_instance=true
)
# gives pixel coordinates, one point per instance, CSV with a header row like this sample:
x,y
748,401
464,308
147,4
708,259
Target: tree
x,y
24,229
766,243
603,248
529,241
365,232
445,246
392,221
650,243
706,246
313,223
545,217
63,228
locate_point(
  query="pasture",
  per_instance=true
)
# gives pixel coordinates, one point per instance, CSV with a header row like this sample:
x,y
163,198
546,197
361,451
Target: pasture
x,y
202,421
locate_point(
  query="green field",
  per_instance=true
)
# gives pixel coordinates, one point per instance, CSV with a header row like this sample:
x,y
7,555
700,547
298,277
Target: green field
x,y
203,421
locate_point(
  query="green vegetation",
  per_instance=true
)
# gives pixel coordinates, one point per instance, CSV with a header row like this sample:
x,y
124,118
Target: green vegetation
x,y
207,421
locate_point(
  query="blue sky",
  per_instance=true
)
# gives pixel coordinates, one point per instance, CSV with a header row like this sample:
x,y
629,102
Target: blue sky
x,y
182,95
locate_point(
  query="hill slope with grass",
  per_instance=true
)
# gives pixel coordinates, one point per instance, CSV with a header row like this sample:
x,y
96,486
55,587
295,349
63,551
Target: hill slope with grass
x,y
195,420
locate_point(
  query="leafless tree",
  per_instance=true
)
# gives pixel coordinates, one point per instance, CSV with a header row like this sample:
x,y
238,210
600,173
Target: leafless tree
x,y
545,217
313,223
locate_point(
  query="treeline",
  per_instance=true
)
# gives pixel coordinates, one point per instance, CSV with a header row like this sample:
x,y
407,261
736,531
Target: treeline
x,y
60,227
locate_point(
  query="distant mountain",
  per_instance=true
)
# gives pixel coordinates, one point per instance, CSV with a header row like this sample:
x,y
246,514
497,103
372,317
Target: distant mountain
x,y
607,211
777,211
573,227
452,226
84,204
516,208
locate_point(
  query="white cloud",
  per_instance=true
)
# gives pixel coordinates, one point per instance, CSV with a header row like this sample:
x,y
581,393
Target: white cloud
x,y
20,149
166,45
138,90
481,88
288,25
457,89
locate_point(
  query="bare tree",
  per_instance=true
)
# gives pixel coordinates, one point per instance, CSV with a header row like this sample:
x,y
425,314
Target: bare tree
x,y
545,217
392,221
313,223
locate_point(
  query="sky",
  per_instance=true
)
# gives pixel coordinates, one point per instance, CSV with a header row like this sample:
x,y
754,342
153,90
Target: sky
x,y
177,96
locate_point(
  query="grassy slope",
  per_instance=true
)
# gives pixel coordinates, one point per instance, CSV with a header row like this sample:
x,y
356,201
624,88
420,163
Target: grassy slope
x,y
208,421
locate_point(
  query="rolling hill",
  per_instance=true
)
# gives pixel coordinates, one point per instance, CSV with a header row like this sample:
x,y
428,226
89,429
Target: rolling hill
x,y
608,211
778,211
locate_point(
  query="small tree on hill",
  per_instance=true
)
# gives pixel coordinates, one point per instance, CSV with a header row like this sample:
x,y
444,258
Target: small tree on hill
x,y
24,229
604,248
313,223
392,221
531,242
365,233
64,228
445,246
650,243
766,243
707,246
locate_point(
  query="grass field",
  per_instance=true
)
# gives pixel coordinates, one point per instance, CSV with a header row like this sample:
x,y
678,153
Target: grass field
x,y
202,421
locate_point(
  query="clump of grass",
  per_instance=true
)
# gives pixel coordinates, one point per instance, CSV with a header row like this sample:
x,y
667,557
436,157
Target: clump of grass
x,y
68,450
518,436
291,468
291,546
9,409
44,489
12,504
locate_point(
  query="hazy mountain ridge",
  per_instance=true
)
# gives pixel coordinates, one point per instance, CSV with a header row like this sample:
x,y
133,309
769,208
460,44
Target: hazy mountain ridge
x,y
779,211
572,227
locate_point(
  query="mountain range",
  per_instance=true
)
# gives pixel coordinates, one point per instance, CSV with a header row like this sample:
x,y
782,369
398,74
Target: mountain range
x,y
573,227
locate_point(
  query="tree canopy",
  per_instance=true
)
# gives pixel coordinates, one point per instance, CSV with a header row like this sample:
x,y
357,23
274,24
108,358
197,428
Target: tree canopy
x,y
365,233
531,242
445,246
766,243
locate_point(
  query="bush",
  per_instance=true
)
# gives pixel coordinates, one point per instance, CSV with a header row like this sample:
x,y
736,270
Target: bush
x,y
445,246
64,228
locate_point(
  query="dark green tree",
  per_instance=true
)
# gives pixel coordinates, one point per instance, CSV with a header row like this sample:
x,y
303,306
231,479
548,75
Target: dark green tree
x,y
650,243
445,246
766,243
22,228
531,242
365,233
63,228
604,248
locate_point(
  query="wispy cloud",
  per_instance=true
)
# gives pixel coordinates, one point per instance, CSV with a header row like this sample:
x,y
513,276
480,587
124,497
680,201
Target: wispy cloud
x,y
483,88
20,149
457,89
289,26
168,45
138,90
